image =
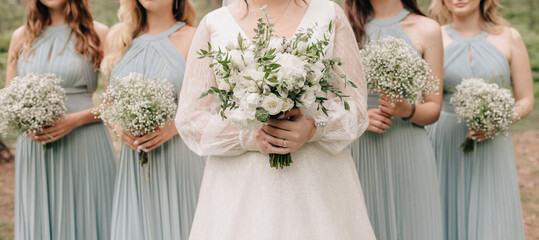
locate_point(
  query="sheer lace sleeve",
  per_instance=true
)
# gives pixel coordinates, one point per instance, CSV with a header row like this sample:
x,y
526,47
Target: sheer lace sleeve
x,y
198,123
342,127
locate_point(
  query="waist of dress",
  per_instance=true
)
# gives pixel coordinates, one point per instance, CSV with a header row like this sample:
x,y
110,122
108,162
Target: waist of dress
x,y
76,90
446,105
78,102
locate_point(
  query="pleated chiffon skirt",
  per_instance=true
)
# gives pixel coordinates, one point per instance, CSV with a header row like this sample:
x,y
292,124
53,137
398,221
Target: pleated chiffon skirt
x,y
65,192
479,190
398,175
160,203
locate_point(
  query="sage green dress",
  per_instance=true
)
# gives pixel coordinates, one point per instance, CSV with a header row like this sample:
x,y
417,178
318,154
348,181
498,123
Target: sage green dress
x,y
157,201
479,190
65,192
397,168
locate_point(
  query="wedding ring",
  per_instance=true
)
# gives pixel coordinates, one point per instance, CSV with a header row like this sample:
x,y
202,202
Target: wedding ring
x,y
284,143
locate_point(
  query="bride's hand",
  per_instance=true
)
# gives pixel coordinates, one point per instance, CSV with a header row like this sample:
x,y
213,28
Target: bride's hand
x,y
285,135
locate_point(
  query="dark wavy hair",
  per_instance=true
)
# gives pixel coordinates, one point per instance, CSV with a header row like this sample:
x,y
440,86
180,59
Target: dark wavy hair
x,y
359,11
78,18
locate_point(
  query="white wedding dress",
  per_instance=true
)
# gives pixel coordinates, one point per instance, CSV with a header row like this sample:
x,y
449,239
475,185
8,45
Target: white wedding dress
x,y
319,196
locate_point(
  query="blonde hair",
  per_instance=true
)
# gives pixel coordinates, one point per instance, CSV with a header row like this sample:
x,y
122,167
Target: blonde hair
x,y
487,8
132,20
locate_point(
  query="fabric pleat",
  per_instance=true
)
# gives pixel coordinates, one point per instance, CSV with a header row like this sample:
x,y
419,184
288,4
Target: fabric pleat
x,y
157,200
397,169
479,190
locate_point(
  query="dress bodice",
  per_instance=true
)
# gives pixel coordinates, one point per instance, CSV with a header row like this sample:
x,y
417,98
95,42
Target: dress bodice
x,y
382,28
153,56
486,62
53,52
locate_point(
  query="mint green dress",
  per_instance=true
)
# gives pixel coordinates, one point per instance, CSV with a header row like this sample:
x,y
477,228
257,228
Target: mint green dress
x,y
161,203
397,169
479,189
66,192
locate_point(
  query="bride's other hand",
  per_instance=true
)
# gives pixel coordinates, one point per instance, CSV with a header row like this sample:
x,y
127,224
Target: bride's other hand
x,y
285,135
378,121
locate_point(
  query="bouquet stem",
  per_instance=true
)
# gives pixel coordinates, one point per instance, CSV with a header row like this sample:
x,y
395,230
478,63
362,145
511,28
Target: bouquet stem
x,y
280,160
143,158
468,145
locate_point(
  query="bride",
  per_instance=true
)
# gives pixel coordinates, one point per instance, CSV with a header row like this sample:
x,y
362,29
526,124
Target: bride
x,y
319,196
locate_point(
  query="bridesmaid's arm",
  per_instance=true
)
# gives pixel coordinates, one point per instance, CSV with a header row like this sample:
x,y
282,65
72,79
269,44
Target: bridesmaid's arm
x,y
521,76
11,71
428,112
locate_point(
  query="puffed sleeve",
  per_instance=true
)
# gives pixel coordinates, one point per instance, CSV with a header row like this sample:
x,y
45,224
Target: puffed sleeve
x,y
336,131
199,125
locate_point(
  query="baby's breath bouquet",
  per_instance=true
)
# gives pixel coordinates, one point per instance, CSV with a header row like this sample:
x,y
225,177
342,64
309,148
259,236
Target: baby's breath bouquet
x,y
139,105
264,78
486,107
392,67
31,102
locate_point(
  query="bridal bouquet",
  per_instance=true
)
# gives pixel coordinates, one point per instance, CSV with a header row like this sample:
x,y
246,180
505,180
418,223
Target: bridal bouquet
x,y
485,107
32,102
264,78
392,67
139,105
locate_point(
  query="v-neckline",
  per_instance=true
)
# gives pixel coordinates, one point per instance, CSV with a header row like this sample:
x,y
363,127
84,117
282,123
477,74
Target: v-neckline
x,y
301,23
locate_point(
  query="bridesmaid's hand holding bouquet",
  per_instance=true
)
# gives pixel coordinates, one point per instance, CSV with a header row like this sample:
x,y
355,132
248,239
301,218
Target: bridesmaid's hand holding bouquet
x,y
138,106
486,107
394,69
32,103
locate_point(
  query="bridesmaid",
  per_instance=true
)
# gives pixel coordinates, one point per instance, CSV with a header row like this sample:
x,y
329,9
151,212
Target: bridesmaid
x,y
159,201
394,158
65,192
479,190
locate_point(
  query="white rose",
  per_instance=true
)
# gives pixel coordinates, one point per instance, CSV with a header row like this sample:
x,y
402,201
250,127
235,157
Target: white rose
x,y
307,98
231,45
272,104
252,100
291,66
236,59
248,57
254,73
288,104
277,44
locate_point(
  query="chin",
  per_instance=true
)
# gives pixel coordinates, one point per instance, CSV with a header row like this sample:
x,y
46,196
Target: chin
x,y
54,4
463,8
155,5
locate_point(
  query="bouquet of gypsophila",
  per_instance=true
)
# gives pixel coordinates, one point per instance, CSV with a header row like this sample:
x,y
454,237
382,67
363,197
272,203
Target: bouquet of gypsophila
x,y
139,105
31,102
264,78
486,107
393,68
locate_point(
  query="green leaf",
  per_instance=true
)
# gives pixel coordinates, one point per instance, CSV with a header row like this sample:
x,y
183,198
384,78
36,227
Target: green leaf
x,y
346,105
261,114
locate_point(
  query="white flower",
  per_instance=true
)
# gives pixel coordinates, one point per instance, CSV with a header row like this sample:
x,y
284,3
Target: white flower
x,y
236,59
277,44
252,100
273,104
223,85
308,98
252,72
291,66
31,101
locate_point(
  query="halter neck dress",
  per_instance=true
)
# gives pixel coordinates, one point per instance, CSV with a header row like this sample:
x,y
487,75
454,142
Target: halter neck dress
x,y
65,192
159,204
479,190
397,168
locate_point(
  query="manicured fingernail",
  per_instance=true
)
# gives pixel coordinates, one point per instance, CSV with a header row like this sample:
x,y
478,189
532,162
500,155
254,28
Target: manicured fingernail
x,y
139,148
145,150
135,142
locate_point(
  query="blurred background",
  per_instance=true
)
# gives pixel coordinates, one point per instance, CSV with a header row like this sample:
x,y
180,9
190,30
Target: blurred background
x,y
522,14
